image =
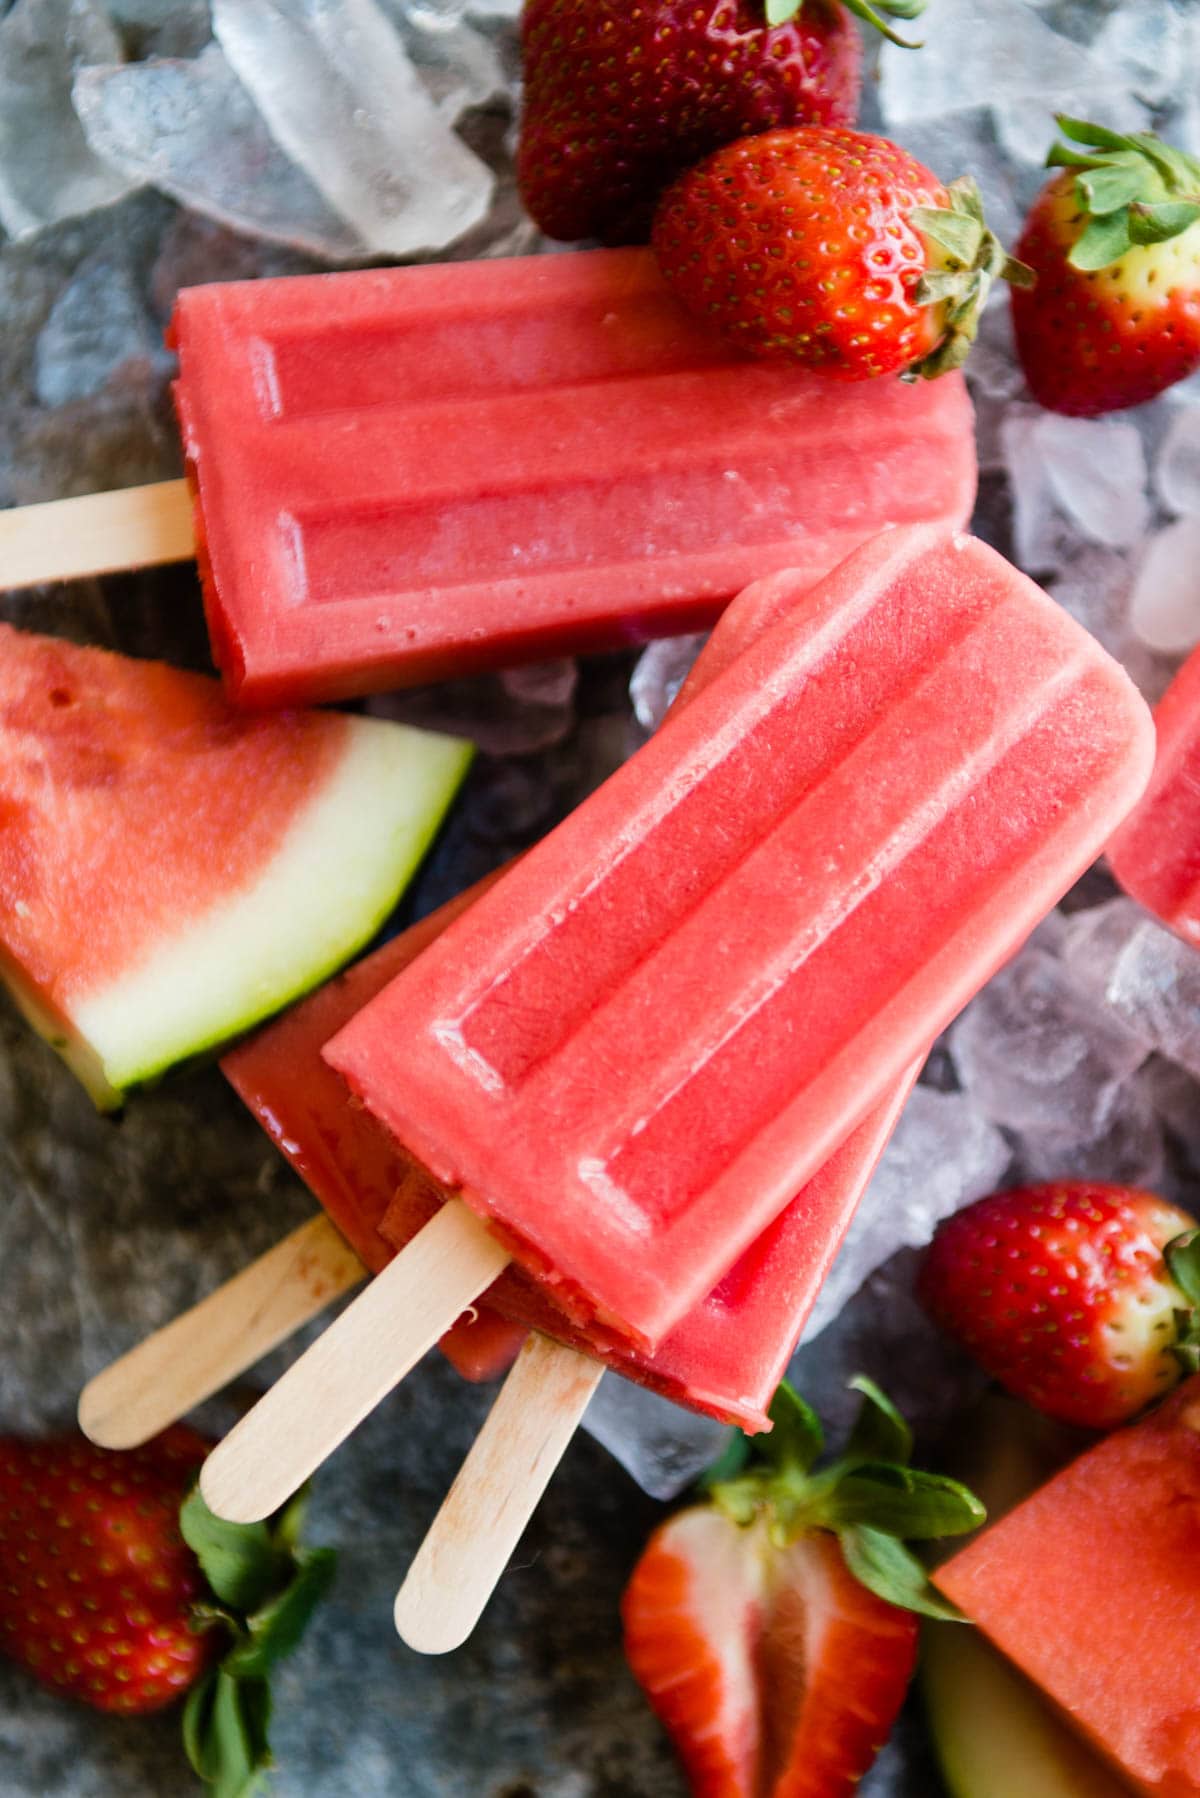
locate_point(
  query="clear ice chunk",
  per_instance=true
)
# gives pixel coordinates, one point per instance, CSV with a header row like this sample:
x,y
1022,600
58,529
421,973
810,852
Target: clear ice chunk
x,y
190,128
1093,586
520,712
661,671
48,170
98,324
1146,976
1164,607
1177,470
1126,1144
663,1447
1038,1056
1074,480
340,94
1002,51
943,1155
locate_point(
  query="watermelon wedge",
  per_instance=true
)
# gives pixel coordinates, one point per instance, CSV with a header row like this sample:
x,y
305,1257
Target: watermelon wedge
x,y
172,871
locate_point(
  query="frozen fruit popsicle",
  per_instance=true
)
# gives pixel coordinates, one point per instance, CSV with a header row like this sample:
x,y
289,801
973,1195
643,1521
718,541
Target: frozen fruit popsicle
x,y
406,473
642,1042
172,871
1091,1587
1156,853
727,1356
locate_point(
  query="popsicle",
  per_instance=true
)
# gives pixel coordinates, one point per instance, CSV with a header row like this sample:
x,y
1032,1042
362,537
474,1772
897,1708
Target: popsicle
x,y
1156,853
642,1042
406,473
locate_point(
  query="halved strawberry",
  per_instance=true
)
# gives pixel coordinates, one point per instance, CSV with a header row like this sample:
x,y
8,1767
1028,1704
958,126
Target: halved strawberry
x,y
774,1669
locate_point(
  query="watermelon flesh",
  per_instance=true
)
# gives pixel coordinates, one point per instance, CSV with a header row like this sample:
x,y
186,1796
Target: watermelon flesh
x,y
1092,1587
171,871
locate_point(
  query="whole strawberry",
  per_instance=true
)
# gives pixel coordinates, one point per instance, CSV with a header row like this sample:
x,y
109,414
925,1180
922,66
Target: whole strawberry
x,y
772,1628
1114,240
833,247
120,1589
1064,1294
619,99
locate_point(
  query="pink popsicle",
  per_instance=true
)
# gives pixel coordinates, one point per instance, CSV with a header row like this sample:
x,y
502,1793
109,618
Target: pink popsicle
x,y
728,1355
407,473
1156,853
648,1036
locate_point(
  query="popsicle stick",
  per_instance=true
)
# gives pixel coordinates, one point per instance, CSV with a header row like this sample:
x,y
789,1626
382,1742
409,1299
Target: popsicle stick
x,y
473,1536
98,533
326,1394
196,1354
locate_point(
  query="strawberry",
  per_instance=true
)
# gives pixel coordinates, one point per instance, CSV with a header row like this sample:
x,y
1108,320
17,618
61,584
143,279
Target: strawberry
x,y
1114,240
619,99
1064,1294
833,247
120,1589
772,1627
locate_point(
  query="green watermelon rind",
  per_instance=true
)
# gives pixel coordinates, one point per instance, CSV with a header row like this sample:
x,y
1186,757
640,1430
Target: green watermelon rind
x,y
343,864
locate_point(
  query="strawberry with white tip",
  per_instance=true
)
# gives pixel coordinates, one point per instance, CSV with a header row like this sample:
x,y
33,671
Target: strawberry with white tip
x,y
1082,1299
1114,241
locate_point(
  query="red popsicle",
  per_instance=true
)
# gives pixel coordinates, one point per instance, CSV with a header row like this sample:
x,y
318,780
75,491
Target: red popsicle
x,y
644,1041
728,1355
408,473
1156,853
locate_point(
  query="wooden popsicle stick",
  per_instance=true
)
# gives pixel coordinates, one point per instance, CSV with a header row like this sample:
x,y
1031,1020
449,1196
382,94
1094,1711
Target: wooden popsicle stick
x,y
97,533
200,1351
472,1538
327,1393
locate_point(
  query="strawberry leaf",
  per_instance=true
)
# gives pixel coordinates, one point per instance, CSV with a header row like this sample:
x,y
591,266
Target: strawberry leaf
x,y
1155,224
274,1631
1182,1256
880,1432
240,1561
268,1587
796,1437
224,1736
885,1567
883,10
1110,186
1102,242
902,1501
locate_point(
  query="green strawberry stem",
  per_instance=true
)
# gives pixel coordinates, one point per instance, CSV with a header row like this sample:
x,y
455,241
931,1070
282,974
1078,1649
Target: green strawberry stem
x,y
868,1496
779,12
1133,190
265,1588
1182,1256
969,258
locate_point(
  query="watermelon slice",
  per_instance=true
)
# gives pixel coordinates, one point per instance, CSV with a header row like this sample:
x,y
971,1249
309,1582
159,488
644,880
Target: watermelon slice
x,y
172,871
1092,1587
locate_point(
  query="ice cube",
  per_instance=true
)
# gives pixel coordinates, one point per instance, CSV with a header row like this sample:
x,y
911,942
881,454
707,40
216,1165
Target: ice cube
x,y
1177,470
1164,608
98,323
1073,480
1149,41
1097,471
1125,1143
48,170
1149,979
944,1154
341,95
519,712
190,128
997,53
660,672
664,1447
1037,1055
